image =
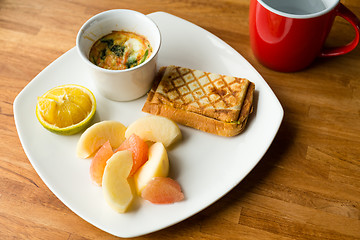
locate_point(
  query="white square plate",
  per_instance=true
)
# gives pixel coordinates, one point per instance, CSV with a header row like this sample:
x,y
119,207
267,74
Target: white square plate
x,y
206,166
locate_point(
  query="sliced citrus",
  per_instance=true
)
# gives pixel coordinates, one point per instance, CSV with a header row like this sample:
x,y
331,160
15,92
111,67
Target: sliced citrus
x,y
98,163
162,190
139,149
66,109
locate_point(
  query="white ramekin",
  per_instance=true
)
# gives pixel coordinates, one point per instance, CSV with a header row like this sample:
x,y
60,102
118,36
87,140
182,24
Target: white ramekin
x,y
120,85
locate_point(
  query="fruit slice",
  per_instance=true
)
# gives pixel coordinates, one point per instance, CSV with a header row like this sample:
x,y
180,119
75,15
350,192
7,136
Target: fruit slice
x,y
98,163
96,135
162,190
66,109
156,166
156,129
115,184
139,149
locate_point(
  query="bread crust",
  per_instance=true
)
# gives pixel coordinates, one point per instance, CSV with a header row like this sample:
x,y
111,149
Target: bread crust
x,y
199,121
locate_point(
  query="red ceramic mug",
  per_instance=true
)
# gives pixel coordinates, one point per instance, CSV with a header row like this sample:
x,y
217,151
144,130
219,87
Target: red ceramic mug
x,y
287,35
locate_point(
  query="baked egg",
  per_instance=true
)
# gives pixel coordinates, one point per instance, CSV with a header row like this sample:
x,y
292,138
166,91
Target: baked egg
x,y
120,50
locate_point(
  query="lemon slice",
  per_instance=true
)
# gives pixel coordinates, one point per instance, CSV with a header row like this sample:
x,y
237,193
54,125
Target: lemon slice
x,y
66,109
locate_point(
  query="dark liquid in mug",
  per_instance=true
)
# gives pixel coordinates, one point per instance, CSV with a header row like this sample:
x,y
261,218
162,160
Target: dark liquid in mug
x,y
297,7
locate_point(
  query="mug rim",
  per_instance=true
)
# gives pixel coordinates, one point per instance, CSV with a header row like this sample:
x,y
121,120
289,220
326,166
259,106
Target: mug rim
x,y
111,71
300,16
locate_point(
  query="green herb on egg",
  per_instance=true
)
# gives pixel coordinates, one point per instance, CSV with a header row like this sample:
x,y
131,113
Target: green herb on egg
x,y
118,50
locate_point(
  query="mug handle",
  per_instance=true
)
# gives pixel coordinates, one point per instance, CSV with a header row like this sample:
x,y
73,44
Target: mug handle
x,y
349,16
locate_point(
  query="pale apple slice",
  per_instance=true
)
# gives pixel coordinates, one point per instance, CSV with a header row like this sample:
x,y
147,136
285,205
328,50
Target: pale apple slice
x,y
96,135
155,129
156,166
116,187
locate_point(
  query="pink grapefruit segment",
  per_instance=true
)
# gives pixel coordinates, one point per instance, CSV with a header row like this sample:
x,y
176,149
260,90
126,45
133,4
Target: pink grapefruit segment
x,y
162,190
139,149
98,163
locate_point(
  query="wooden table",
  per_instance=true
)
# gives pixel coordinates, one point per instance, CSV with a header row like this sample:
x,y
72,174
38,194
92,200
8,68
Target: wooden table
x,y
307,186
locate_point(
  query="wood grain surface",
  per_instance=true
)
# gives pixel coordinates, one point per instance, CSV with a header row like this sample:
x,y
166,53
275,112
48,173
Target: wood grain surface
x,y
307,186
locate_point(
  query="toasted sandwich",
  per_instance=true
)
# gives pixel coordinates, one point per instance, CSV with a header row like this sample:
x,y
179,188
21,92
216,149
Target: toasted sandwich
x,y
210,102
